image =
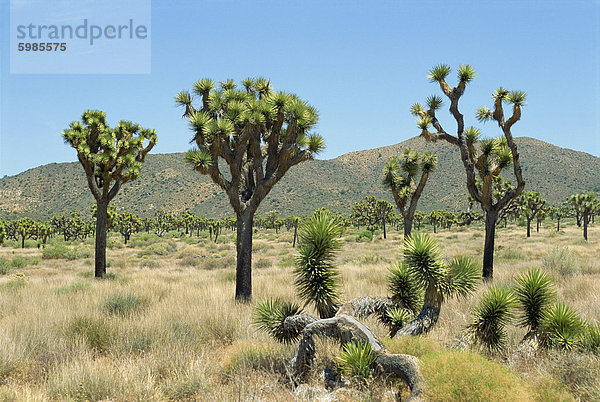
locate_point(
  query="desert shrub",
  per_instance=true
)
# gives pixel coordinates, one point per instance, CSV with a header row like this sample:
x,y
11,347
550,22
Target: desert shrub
x,y
149,263
162,248
560,260
371,259
55,251
16,263
72,287
187,388
364,236
93,331
514,254
263,263
453,375
15,282
123,304
242,355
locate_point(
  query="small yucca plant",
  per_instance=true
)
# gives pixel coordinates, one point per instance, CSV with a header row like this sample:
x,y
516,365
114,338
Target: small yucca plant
x,y
269,316
591,338
562,328
396,318
490,317
405,291
534,293
317,280
356,360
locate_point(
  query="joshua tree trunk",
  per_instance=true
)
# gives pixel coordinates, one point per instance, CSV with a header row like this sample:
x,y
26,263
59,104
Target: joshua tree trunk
x,y
408,223
528,227
243,277
295,233
491,218
586,219
427,317
558,224
383,223
101,221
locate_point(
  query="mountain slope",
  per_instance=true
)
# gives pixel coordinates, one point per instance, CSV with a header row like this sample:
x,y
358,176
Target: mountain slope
x,y
167,183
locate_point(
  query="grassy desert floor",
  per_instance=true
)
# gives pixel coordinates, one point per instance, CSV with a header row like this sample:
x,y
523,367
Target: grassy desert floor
x,y
164,325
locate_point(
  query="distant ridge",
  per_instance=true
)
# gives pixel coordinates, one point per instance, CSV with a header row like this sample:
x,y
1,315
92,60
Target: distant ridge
x,y
167,183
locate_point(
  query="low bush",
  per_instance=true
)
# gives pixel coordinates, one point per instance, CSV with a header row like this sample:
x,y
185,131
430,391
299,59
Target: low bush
x,y
123,304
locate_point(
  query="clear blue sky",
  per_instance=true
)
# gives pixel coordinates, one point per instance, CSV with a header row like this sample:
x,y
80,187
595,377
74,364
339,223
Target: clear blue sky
x,y
361,63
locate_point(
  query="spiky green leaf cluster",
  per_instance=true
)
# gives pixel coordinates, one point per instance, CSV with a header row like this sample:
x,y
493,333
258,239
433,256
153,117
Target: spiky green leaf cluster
x,y
317,280
561,327
269,316
405,291
490,317
466,73
434,102
534,293
357,360
397,317
439,73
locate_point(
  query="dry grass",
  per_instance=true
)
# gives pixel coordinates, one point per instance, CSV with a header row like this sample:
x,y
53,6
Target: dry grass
x,y
184,338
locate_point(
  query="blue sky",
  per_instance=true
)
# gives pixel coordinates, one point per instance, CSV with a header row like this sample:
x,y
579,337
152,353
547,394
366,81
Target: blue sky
x,y
362,64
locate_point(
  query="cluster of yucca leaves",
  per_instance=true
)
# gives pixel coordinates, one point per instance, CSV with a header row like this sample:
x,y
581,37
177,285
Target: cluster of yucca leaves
x,y
356,360
532,300
317,280
269,316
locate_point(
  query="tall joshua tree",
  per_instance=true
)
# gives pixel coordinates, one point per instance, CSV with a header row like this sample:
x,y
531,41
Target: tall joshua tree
x,y
487,157
255,133
110,157
400,176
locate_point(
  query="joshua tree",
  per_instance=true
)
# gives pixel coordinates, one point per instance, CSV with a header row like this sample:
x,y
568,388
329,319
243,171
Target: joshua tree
x,y
531,205
127,223
110,157
258,134
400,176
487,157
24,229
373,213
586,205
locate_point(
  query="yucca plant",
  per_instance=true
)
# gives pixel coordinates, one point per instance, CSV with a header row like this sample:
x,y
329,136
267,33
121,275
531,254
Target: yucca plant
x,y
405,291
534,293
356,360
591,338
269,316
490,317
437,278
396,318
561,327
317,280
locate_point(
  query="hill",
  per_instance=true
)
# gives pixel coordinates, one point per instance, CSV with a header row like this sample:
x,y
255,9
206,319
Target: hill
x,y
167,183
